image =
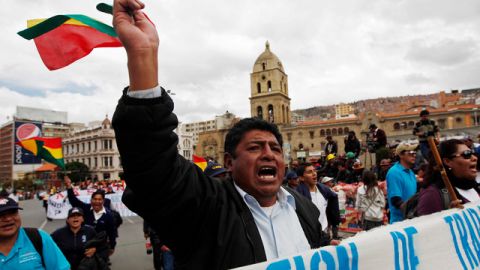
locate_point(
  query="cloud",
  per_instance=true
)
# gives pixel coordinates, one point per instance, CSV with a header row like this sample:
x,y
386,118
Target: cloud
x,y
332,51
447,52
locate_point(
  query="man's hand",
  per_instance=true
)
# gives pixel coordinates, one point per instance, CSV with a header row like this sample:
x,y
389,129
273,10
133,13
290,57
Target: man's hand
x,y
68,182
140,39
334,242
89,252
456,204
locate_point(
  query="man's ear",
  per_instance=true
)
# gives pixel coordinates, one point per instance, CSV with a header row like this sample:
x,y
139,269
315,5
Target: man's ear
x,y
228,161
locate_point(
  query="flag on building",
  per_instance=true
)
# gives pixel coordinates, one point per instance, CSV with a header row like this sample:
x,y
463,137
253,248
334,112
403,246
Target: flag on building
x,y
200,162
49,149
64,39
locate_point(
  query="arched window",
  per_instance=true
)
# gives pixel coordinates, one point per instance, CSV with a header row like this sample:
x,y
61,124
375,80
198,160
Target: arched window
x,y
411,124
329,132
458,120
340,131
260,112
322,132
334,131
396,126
404,125
264,66
270,114
259,87
346,130
284,119
269,85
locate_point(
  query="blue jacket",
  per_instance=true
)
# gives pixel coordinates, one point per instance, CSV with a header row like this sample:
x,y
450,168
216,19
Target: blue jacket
x,y
333,211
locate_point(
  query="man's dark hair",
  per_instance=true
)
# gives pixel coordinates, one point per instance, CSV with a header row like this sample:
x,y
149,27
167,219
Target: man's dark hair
x,y
372,126
424,112
235,134
301,169
99,191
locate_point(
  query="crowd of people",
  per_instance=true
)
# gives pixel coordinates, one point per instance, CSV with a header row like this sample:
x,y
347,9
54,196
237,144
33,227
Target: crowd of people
x,y
249,210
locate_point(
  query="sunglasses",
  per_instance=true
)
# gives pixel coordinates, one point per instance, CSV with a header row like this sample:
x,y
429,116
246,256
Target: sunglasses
x,y
467,154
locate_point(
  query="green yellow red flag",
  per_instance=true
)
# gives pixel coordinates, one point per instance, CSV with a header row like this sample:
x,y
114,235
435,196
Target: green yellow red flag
x,y
49,149
200,162
64,39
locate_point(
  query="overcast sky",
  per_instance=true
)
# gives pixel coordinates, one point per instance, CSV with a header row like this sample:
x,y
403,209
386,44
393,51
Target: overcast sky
x,y
333,51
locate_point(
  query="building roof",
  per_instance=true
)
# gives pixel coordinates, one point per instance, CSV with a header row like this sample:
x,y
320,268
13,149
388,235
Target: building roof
x,y
268,58
47,167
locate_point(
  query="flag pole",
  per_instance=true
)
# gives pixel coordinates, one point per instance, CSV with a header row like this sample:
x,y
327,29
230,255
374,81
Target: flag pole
x,y
443,172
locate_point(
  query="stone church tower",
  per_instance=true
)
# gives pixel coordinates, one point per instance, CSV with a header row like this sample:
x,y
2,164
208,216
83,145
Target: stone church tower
x,y
269,89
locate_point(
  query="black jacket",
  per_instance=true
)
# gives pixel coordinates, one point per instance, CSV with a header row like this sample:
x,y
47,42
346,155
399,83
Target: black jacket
x,y
73,245
104,223
203,220
332,211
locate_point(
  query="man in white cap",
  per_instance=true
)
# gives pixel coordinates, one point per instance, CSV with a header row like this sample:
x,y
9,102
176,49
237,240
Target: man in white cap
x,y
401,180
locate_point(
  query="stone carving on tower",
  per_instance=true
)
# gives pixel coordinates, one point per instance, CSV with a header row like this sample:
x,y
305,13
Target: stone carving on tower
x,y
269,89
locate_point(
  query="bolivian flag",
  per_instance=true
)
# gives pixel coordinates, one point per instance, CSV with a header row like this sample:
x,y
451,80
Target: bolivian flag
x,y
200,162
63,39
49,149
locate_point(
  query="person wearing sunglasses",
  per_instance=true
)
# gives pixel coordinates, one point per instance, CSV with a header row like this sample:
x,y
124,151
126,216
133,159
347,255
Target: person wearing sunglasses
x,y
401,180
461,166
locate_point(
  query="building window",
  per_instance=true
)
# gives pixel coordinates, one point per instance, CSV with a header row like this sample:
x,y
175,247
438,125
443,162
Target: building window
x,y
411,124
95,146
259,88
260,112
441,123
340,131
110,144
83,147
329,132
334,131
458,120
89,147
111,161
95,161
345,130
264,66
269,85
312,133
322,132
396,126
270,114
289,136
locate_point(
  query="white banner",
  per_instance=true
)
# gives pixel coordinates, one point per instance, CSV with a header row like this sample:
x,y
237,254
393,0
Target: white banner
x,y
58,204
445,240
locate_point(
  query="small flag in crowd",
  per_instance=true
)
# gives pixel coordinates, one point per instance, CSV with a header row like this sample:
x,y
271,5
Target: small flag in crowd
x,y
64,39
200,162
49,149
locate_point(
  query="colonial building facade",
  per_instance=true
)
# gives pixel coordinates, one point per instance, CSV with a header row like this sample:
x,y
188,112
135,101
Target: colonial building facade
x,y
96,147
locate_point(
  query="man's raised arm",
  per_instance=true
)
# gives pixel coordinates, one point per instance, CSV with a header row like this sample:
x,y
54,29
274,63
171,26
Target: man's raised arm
x,y
140,39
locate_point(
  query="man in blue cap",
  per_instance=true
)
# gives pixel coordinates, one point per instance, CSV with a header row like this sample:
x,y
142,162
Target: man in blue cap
x,y
18,250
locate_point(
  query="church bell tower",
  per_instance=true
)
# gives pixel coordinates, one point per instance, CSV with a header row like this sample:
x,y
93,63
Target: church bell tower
x,y
269,89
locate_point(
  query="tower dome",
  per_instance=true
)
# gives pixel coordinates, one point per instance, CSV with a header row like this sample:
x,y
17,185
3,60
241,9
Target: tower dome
x,y
267,60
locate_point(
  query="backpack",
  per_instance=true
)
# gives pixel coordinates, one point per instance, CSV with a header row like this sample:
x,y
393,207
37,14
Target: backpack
x,y
34,235
117,218
410,210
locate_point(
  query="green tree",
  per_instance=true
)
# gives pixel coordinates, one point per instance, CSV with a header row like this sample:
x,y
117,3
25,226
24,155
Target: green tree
x,y
77,171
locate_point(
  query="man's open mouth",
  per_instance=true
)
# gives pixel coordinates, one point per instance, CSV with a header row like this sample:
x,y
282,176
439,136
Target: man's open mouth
x,y
267,173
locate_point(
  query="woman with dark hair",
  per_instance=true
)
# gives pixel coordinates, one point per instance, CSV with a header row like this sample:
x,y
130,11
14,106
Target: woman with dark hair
x,y
460,164
370,202
352,144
